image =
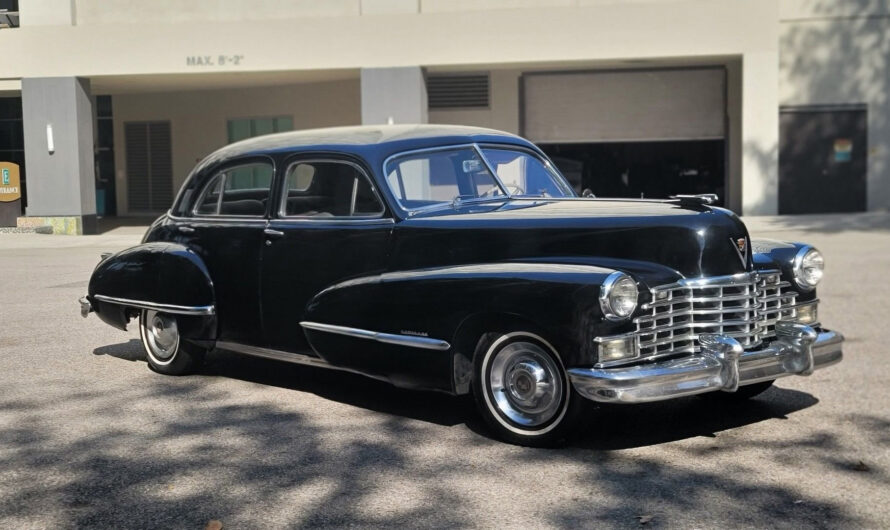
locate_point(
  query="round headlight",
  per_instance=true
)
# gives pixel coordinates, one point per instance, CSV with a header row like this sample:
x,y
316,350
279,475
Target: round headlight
x,y
618,297
808,268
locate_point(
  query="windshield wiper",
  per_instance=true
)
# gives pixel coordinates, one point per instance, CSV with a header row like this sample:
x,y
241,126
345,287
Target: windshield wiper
x,y
455,203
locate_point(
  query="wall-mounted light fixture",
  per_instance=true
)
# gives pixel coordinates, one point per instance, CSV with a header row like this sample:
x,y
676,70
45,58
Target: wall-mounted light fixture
x,y
50,144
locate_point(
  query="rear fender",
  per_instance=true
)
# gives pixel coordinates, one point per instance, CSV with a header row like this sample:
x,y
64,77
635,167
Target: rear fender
x,y
167,277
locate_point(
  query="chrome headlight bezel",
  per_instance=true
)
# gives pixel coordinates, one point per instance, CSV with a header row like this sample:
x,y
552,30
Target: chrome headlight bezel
x,y
799,266
617,285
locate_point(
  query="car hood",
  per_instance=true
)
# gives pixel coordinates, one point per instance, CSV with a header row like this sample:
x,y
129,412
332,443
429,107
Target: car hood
x,y
659,239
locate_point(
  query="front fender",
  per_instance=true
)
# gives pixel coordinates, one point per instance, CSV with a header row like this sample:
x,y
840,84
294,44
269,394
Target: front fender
x,y
559,300
168,277
772,254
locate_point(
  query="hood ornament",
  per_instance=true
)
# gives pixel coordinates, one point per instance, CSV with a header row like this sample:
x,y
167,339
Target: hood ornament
x,y
702,198
741,247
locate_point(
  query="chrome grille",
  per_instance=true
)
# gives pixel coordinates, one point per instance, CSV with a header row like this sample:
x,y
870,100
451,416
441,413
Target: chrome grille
x,y
777,301
744,306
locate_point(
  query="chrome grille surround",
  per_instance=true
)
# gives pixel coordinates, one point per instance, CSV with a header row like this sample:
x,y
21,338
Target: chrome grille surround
x,y
744,306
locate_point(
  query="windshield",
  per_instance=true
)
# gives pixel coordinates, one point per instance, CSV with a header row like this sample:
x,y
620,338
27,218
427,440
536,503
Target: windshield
x,y
442,176
526,175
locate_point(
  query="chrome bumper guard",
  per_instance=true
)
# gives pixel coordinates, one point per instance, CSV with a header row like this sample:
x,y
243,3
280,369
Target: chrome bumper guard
x,y
85,306
722,365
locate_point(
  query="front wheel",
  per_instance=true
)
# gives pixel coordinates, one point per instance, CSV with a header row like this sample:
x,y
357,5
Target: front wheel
x,y
167,352
522,390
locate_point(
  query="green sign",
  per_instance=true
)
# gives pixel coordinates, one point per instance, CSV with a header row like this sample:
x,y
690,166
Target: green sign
x,y
5,177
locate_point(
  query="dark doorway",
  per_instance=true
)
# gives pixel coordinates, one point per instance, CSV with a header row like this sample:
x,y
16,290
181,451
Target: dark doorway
x,y
643,169
106,201
149,166
12,139
822,159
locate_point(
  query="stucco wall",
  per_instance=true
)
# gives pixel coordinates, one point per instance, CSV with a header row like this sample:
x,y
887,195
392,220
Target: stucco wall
x,y
198,118
497,34
836,52
98,12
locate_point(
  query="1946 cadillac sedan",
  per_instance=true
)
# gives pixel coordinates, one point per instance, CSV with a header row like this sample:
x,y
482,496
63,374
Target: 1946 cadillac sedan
x,y
459,259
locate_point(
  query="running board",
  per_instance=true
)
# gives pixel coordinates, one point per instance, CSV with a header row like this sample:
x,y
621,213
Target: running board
x,y
277,355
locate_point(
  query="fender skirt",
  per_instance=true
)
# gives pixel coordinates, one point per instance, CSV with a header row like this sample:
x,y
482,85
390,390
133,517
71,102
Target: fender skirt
x,y
167,277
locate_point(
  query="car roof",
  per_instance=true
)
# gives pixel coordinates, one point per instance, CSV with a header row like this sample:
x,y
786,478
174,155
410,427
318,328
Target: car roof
x,y
372,142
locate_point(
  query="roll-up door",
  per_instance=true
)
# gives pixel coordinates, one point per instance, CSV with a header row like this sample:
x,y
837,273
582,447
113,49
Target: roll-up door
x,y
149,166
625,106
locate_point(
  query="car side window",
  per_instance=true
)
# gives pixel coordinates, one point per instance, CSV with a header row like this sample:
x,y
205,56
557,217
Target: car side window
x,y
328,188
241,191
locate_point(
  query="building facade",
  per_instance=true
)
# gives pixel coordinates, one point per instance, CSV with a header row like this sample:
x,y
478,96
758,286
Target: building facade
x,y
779,106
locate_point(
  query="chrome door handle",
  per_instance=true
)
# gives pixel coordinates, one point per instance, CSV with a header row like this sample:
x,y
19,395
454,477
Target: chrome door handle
x,y
273,234
186,229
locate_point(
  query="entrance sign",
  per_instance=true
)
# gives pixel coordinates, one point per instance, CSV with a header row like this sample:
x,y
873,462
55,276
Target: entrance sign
x,y
10,185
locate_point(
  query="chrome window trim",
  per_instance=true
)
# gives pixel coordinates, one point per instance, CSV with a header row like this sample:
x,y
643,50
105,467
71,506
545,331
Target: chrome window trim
x,y
223,173
410,341
282,205
334,220
211,220
166,308
543,159
474,146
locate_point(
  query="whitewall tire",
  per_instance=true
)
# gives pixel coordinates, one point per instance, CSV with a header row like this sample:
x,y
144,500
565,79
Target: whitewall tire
x,y
522,390
166,351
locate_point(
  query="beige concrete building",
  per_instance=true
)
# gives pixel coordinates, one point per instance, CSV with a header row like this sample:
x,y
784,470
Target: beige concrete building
x,y
779,106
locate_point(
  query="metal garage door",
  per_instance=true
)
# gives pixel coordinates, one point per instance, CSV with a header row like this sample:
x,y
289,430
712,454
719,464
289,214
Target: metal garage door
x,y
149,166
625,106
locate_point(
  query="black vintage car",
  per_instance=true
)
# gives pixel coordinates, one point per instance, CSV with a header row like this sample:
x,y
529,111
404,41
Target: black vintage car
x,y
458,259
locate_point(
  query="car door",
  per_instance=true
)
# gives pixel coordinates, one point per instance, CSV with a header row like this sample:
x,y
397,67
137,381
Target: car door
x,y
225,227
330,225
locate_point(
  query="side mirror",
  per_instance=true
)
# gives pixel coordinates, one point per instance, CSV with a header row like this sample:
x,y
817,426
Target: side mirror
x,y
587,193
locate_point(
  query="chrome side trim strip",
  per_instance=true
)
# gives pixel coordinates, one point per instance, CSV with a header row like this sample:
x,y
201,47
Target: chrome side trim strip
x,y
166,308
277,355
387,338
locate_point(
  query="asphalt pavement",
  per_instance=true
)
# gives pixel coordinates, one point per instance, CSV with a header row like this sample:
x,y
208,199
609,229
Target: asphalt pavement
x,y
90,437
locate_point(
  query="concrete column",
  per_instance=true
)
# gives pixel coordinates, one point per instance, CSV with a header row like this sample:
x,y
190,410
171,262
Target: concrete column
x,y
760,133
393,94
61,181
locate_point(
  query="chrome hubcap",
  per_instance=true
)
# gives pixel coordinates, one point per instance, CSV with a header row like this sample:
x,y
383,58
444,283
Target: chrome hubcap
x,y
162,334
525,384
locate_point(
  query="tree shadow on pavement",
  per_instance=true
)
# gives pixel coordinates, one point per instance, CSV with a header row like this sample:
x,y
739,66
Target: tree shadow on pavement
x,y
180,451
627,426
140,466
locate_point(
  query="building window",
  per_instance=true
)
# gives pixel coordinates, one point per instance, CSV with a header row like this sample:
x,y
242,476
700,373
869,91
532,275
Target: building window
x,y
242,128
9,13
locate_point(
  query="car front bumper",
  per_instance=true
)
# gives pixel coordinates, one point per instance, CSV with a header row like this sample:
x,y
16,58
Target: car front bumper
x,y
722,365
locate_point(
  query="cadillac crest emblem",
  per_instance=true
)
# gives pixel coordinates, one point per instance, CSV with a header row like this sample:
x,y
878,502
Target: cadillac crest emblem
x,y
741,248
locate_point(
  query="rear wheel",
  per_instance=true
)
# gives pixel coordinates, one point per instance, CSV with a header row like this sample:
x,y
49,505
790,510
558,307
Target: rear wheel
x,y
167,352
522,390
